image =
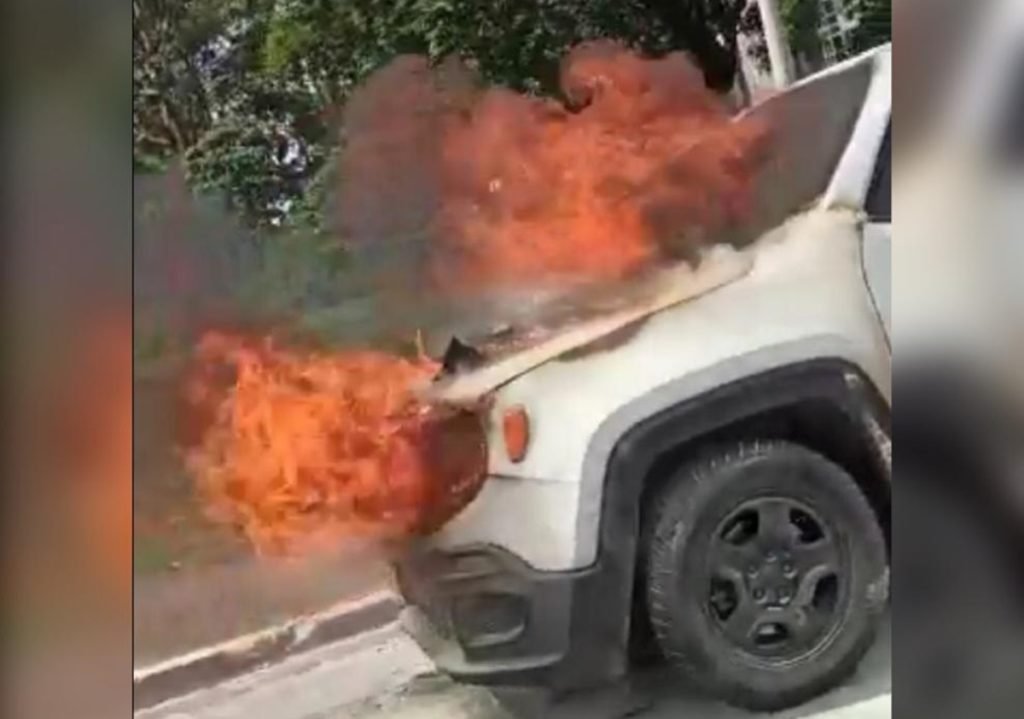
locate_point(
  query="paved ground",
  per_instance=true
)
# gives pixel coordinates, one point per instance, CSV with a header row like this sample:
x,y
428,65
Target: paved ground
x,y
176,613
197,583
383,675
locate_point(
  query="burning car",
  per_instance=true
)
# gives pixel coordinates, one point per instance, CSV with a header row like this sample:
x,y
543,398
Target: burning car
x,y
700,457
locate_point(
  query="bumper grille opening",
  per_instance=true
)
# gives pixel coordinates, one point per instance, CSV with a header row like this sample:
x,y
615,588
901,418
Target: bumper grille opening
x,y
487,619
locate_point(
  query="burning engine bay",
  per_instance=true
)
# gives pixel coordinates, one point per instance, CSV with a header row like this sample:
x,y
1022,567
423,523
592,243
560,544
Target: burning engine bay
x,y
303,449
578,216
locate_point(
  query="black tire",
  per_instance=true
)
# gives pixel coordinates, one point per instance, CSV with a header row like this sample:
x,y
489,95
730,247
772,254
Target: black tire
x,y
746,663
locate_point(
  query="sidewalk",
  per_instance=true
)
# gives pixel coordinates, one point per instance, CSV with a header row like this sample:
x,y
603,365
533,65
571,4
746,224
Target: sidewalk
x,y
328,682
197,630
179,612
382,674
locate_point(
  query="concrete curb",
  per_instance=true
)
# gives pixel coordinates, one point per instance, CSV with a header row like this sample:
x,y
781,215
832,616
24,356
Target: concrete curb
x,y
214,664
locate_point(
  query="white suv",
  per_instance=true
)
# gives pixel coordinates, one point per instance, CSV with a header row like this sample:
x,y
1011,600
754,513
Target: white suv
x,y
712,472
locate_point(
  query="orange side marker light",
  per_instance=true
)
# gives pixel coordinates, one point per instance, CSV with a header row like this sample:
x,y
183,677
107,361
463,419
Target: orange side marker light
x,y
515,427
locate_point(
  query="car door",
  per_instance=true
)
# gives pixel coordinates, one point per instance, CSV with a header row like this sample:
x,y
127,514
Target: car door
x,y
877,240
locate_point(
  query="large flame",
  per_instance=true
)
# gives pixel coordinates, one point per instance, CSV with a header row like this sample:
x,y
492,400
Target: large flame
x,y
641,161
306,449
478,188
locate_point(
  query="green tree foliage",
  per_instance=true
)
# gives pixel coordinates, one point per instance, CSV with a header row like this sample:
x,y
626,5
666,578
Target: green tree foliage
x,y
170,108
249,91
875,24
802,19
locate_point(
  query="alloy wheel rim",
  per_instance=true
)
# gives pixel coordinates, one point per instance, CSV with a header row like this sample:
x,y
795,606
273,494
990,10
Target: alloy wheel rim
x,y
776,579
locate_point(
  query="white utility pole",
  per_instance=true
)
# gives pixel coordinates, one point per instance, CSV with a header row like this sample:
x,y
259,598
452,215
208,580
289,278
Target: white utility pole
x,y
778,46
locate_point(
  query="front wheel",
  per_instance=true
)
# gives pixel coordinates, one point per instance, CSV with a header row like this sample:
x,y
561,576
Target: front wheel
x,y
767,574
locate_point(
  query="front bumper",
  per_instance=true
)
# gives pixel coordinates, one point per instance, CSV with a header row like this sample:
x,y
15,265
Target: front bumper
x,y
485,616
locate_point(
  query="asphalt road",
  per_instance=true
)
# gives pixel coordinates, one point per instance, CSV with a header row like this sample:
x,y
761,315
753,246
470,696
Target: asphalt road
x,y
383,675
657,695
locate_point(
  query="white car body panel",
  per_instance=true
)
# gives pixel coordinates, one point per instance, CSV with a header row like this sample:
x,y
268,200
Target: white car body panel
x,y
805,298
878,269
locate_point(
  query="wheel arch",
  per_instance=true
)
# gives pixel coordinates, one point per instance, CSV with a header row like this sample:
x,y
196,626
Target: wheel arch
x,y
827,405
827,396
852,431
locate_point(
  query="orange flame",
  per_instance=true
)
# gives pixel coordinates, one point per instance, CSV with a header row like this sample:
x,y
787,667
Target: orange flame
x,y
644,162
641,163
306,449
